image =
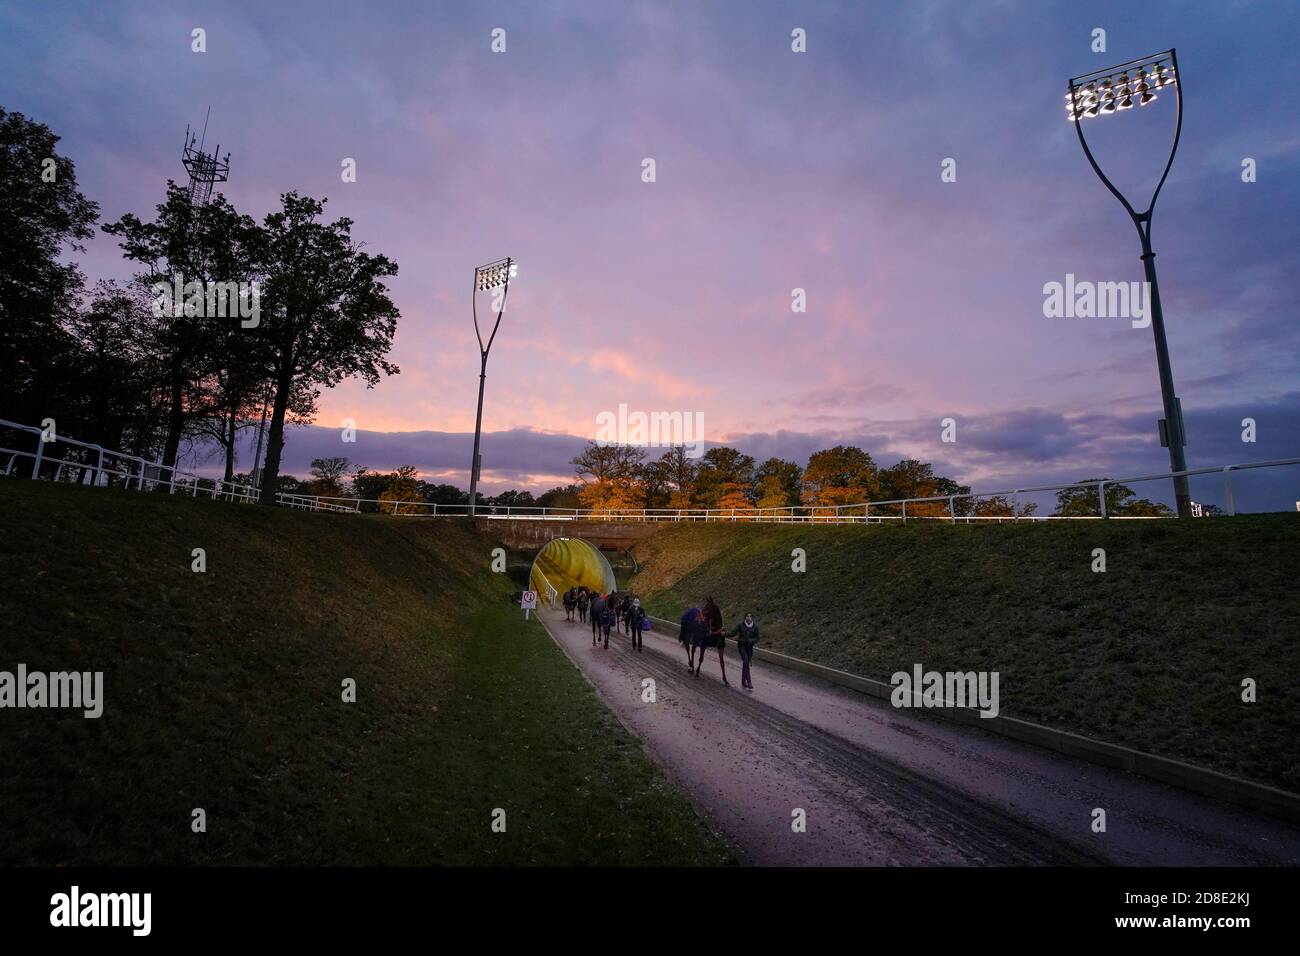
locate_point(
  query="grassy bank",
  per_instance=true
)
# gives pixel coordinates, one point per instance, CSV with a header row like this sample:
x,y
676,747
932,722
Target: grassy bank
x,y
1150,654
223,691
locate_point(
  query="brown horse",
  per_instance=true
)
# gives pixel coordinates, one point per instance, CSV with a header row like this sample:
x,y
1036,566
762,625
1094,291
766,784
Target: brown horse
x,y
712,619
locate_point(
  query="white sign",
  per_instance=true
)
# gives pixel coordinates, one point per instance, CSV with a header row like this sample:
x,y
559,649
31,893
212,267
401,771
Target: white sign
x,y
529,602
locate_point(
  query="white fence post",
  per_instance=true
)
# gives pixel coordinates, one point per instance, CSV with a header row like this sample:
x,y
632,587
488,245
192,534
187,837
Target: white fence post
x,y
40,451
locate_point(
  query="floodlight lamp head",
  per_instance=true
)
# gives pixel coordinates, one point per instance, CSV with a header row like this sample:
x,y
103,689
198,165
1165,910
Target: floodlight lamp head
x,y
494,275
1112,90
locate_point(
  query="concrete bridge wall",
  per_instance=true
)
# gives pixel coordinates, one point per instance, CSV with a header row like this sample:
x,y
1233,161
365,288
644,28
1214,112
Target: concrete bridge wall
x,y
529,534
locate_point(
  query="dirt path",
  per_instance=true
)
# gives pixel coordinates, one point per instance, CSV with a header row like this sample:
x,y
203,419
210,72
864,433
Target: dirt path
x,y
880,786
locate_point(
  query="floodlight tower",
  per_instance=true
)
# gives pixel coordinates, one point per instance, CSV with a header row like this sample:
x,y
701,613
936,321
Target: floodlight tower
x,y
488,278
204,168
1110,91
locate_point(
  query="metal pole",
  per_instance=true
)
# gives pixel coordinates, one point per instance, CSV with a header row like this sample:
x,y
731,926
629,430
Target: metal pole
x,y
1173,430
477,462
478,427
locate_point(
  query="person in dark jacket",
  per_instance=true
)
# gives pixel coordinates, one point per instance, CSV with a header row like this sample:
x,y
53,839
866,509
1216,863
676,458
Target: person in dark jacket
x,y
584,601
570,601
597,609
746,635
607,620
635,623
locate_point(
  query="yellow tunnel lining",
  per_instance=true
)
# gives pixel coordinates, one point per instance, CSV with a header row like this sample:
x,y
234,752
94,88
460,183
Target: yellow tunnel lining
x,y
568,563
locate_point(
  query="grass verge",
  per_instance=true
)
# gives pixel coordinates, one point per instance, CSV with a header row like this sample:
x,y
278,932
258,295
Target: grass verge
x,y
223,691
1150,654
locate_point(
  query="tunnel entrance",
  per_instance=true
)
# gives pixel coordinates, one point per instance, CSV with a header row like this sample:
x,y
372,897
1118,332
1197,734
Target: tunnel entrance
x,y
567,563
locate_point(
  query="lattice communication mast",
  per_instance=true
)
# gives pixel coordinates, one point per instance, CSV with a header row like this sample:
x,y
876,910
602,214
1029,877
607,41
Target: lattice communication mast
x,y
204,168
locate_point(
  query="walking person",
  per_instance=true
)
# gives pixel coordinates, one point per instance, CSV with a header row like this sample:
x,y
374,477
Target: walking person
x,y
746,635
607,621
688,629
583,600
635,623
715,636
569,602
597,609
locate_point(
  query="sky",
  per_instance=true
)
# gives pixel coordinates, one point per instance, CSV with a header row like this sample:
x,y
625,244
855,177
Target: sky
x,y
774,171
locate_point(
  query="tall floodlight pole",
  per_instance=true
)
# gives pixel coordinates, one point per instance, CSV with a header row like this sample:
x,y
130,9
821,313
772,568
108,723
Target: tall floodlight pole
x,y
1103,93
488,278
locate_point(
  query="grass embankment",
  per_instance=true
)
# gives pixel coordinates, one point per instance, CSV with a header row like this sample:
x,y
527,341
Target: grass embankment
x,y
223,691
1151,654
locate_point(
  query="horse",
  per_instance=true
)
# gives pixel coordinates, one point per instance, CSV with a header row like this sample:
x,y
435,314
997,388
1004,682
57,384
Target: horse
x,y
712,619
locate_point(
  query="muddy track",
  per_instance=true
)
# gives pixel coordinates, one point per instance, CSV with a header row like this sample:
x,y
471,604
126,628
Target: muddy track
x,y
883,794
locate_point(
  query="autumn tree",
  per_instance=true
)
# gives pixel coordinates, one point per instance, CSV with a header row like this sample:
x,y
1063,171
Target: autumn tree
x,y
1081,500
776,484
402,486
1146,508
724,474
911,478
678,472
1000,506
841,475
609,476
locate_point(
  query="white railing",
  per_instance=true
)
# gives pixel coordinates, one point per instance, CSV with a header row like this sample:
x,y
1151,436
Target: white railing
x,y
109,464
549,591
940,507
131,468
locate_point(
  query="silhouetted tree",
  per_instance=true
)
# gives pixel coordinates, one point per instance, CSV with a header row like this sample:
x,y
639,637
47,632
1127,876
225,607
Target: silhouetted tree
x,y
562,496
42,215
328,474
326,314
205,245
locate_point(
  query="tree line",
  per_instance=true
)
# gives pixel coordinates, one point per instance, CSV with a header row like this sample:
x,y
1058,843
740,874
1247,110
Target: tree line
x,y
615,478
124,367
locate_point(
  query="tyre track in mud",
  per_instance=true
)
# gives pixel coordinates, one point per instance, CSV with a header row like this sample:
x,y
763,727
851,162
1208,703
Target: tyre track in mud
x,y
888,799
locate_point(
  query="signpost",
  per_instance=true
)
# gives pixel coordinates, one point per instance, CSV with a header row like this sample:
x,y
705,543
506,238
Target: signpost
x,y
528,602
